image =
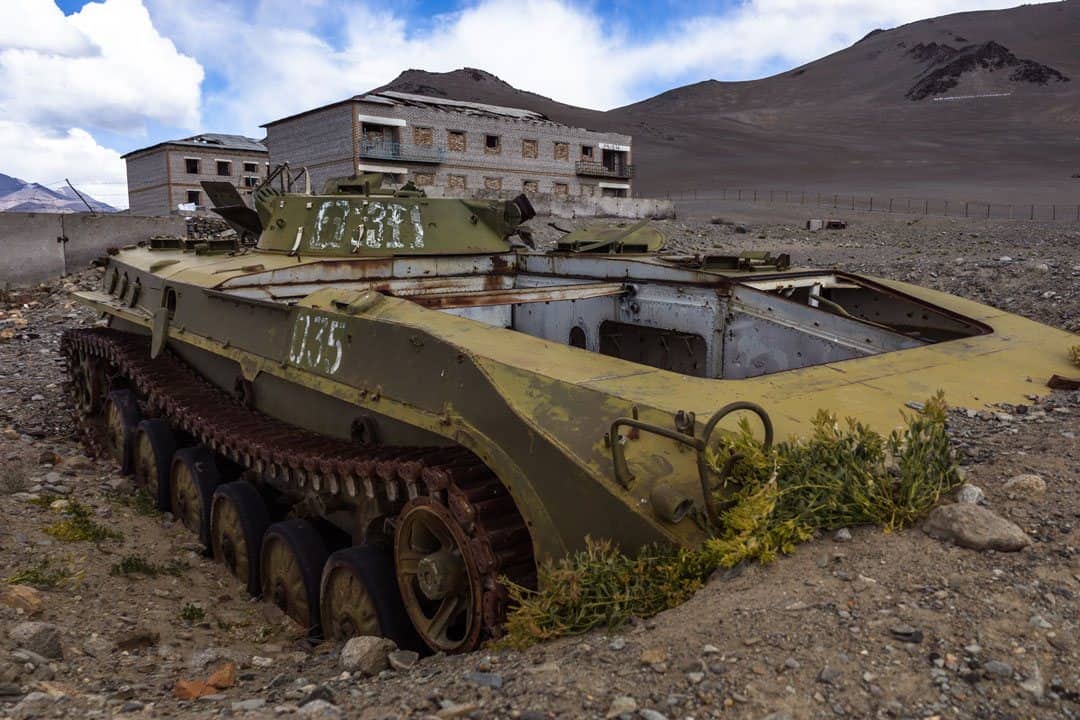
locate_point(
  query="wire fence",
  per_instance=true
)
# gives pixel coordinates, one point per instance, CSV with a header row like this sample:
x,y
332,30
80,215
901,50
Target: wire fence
x,y
849,202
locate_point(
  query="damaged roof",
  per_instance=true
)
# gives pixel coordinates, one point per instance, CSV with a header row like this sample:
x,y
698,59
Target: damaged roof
x,y
220,141
392,97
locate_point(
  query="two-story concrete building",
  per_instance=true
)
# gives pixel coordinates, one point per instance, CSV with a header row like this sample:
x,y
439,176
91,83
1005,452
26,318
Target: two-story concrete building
x,y
451,147
163,176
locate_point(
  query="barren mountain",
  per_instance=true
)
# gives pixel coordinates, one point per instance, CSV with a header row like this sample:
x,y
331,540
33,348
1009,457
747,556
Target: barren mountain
x,y
20,196
981,105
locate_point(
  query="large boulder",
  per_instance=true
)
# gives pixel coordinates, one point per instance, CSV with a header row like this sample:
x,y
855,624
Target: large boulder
x,y
975,527
38,637
367,654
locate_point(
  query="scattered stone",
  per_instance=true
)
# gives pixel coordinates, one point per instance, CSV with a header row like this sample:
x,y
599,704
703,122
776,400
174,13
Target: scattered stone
x,y
34,705
617,644
997,668
975,527
970,494
649,714
653,656
1034,684
261,662
906,633
842,535
320,710
137,640
248,705
1039,622
1027,484
319,693
39,637
403,659
486,679
828,675
25,598
621,705
367,654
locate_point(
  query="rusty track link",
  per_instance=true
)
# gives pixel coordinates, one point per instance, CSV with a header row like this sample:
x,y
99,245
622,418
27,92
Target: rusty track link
x,y
167,387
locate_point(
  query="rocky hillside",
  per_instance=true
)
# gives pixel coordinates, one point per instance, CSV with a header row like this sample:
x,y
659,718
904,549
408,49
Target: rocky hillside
x,y
20,196
979,105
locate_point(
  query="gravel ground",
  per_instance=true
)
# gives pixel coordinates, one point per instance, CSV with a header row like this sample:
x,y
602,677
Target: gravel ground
x,y
875,625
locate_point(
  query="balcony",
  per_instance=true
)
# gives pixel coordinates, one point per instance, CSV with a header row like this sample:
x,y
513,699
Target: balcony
x,y
596,169
395,151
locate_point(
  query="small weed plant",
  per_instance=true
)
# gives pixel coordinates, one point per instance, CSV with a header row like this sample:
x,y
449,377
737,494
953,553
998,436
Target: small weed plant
x,y
192,613
140,501
133,565
843,474
43,574
78,525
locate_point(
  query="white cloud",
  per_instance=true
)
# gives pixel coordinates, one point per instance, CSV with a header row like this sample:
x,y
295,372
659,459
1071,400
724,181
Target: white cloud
x,y
38,155
134,75
41,26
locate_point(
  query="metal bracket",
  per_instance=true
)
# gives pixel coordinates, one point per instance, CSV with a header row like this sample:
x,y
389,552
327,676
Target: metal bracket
x,y
624,477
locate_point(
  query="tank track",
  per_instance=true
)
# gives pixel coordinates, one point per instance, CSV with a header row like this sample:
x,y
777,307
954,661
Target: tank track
x,y
499,540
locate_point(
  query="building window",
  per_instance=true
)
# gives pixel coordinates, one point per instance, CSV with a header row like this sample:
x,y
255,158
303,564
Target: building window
x,y
423,179
562,151
193,196
562,190
191,166
423,136
251,181
455,141
251,167
224,168
492,144
530,149
530,187
493,183
586,152
455,182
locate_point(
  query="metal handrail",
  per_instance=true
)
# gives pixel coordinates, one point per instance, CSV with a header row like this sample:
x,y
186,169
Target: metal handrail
x,y
622,470
599,169
393,150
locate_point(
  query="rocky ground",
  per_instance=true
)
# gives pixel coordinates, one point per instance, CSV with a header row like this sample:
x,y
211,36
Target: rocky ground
x,y
861,624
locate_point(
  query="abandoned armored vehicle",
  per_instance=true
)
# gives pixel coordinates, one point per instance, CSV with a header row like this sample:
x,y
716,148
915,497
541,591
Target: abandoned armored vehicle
x,y
372,405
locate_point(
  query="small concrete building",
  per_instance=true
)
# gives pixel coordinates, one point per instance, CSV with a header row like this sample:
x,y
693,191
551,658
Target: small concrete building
x,y
451,148
168,174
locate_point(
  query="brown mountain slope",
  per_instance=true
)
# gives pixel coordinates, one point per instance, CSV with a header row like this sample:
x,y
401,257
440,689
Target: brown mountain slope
x,y
890,114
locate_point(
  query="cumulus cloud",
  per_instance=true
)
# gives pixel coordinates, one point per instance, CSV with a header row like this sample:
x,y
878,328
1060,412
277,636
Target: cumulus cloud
x,y
62,77
125,74
38,155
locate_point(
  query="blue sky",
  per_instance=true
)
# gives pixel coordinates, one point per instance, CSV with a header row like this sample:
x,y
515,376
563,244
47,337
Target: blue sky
x,y
82,82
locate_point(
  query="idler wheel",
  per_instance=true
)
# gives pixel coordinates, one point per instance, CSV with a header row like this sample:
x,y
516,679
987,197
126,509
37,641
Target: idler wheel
x,y
121,420
155,444
291,563
438,578
88,384
359,596
238,520
192,481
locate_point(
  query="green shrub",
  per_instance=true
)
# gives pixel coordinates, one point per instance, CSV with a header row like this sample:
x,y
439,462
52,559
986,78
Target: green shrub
x,y
772,500
43,575
79,526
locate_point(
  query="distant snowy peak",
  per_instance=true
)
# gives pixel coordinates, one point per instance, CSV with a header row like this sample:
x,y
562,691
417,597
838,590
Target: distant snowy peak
x,y
20,196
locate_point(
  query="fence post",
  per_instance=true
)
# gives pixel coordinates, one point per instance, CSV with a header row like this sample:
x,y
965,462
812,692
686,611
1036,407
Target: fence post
x,y
1053,212
965,208
802,199
987,209
871,203
890,204
1032,212
926,207
946,214
755,194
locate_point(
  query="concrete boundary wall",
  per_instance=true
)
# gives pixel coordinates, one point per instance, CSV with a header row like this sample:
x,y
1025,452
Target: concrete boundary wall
x,y
41,246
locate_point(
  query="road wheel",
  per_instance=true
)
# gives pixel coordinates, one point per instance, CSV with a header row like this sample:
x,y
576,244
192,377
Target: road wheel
x,y
121,420
291,563
359,596
438,578
238,520
192,481
155,444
